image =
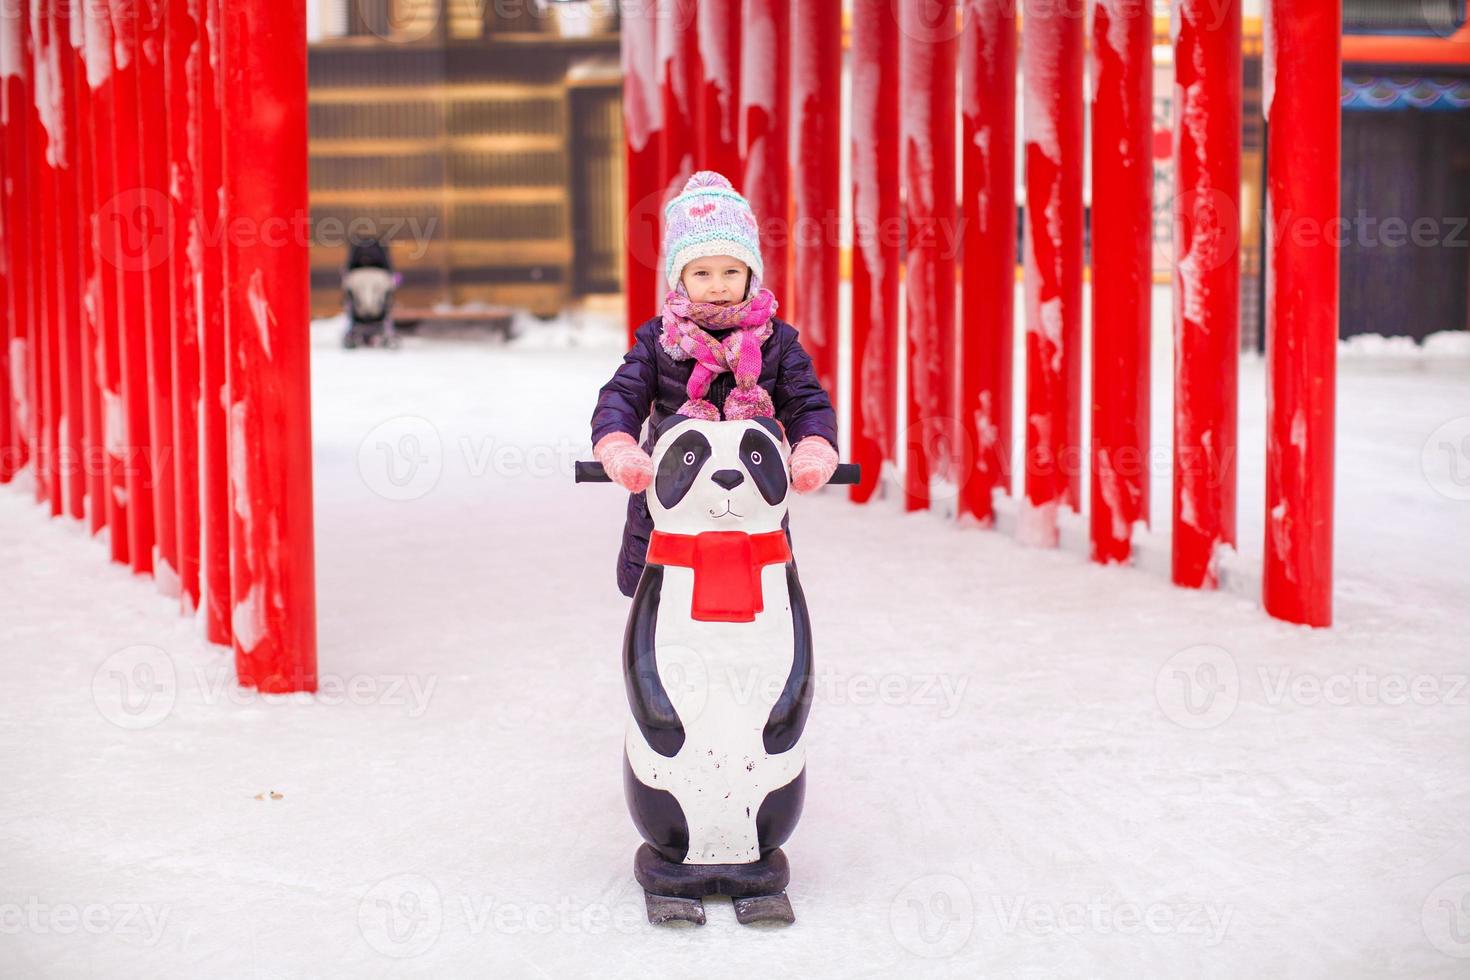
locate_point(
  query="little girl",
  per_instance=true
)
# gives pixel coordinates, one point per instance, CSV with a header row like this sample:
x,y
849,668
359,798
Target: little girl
x,y
717,351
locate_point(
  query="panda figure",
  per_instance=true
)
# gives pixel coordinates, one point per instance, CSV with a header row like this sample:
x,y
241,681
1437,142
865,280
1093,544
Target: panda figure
x,y
717,660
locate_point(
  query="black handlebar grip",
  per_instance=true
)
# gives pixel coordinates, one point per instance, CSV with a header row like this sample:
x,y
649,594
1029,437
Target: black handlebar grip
x,y
590,472
846,474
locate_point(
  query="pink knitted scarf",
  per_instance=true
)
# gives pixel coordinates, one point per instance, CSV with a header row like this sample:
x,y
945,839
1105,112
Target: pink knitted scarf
x,y
686,334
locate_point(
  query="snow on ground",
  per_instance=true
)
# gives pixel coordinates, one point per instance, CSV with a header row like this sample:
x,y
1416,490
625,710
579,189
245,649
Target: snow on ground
x,y
1020,764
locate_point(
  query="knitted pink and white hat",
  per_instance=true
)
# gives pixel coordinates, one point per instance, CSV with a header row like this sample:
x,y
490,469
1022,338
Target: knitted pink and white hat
x,y
709,218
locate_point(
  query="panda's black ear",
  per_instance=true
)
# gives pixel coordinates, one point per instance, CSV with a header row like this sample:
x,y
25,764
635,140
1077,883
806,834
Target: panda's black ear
x,y
669,421
773,427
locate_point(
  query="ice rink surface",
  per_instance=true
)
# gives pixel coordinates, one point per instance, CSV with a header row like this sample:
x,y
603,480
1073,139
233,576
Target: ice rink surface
x,y
1021,765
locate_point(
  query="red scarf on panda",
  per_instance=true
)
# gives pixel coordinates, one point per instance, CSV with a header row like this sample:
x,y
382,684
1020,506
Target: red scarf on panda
x,y
727,569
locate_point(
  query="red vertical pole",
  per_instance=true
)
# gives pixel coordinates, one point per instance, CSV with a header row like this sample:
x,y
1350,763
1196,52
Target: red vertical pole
x,y
643,134
9,447
94,459
1051,52
268,345
680,80
129,219
35,272
988,216
765,99
30,178
214,485
24,332
1207,112
15,412
107,271
70,398
719,54
876,253
153,146
181,53
25,346
1122,271
44,145
816,98
1302,74
928,125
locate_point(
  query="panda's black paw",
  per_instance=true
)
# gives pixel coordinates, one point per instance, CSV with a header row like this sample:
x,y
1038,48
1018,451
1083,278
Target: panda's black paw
x,y
764,908
667,908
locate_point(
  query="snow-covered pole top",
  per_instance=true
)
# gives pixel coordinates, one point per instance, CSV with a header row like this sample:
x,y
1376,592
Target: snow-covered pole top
x,y
46,83
643,106
718,66
1268,60
98,45
12,50
123,34
74,23
757,61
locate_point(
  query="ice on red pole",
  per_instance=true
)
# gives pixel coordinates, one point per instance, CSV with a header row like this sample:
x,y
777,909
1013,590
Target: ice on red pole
x,y
214,485
267,345
181,69
14,255
1207,97
765,123
719,56
1301,96
87,282
152,140
1051,50
927,113
680,80
988,216
816,91
643,134
876,252
106,286
124,220
1122,273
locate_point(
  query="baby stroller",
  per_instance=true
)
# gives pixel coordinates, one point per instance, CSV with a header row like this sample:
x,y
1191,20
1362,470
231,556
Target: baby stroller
x,y
367,295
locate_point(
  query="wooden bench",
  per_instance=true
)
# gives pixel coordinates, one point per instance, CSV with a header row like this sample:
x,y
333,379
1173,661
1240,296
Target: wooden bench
x,y
409,319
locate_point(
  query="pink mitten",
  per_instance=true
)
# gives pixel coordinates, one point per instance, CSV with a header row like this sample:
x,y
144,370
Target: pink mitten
x,y
813,462
625,461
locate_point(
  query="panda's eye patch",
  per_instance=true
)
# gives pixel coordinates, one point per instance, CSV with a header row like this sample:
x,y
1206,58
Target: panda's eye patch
x,y
679,467
763,461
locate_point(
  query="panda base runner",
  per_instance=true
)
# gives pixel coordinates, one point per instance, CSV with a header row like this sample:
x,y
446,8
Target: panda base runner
x,y
717,663
675,891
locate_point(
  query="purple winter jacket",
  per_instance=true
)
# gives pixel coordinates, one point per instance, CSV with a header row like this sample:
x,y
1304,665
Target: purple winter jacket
x,y
651,385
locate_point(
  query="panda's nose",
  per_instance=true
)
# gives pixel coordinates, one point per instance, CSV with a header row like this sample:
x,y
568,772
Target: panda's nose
x,y
729,479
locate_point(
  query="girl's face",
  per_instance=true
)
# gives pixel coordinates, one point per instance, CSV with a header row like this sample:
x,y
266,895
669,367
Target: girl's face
x,y
718,279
